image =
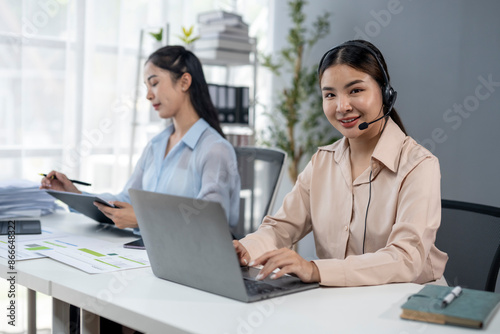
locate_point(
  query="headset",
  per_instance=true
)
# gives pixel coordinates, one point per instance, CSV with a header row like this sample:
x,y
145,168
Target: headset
x,y
389,95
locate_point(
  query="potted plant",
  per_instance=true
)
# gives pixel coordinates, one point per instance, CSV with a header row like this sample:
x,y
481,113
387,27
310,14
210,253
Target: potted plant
x,y
187,37
157,41
298,125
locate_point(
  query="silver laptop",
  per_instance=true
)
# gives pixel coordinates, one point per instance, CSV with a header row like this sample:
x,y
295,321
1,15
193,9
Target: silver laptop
x,y
188,242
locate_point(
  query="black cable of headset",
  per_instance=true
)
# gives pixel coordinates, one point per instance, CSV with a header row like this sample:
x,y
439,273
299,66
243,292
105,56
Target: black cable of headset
x,y
367,206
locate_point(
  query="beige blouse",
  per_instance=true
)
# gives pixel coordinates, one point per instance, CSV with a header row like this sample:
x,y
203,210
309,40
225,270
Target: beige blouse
x,y
403,216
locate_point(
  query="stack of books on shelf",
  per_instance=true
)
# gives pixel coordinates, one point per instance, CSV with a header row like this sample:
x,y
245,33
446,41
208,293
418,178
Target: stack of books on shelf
x,y
223,37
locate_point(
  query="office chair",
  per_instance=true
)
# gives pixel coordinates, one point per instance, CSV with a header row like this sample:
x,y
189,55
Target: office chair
x,y
470,234
260,172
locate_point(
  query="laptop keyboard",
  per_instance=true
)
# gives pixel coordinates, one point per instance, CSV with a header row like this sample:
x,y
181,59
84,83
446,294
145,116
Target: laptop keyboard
x,y
259,288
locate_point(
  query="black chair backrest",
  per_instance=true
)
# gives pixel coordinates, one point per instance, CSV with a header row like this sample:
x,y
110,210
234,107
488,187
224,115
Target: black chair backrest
x,y
470,234
260,172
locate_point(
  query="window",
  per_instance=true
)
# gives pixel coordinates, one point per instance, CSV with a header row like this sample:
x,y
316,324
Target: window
x,y
68,81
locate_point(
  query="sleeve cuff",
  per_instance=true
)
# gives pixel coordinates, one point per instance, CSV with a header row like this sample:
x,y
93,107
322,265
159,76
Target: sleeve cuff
x,y
256,246
331,272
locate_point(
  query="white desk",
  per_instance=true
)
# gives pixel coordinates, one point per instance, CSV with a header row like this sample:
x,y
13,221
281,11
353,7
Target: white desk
x,y
137,299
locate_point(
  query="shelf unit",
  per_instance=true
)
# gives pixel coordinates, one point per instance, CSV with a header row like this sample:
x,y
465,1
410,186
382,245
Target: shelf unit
x,y
234,131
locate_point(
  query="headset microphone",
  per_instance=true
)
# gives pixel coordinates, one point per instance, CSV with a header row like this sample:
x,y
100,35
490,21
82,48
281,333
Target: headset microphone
x,y
364,125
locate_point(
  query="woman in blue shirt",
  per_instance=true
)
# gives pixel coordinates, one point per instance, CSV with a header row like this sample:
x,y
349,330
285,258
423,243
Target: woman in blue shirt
x,y
189,158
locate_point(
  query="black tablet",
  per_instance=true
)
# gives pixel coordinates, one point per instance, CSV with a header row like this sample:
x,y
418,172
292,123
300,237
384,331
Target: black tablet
x,y
136,244
83,203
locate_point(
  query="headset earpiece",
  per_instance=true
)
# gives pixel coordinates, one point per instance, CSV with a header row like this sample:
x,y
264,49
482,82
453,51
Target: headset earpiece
x,y
388,95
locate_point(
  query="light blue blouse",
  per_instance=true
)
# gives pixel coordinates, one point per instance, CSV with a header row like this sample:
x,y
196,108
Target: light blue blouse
x,y
201,165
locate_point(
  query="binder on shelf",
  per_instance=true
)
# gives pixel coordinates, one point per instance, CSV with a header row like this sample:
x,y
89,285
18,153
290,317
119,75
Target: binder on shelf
x,y
231,105
221,103
213,91
226,113
243,103
227,100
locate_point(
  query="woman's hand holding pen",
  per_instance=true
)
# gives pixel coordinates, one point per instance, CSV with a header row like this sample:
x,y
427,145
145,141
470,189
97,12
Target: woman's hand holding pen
x,y
58,181
123,215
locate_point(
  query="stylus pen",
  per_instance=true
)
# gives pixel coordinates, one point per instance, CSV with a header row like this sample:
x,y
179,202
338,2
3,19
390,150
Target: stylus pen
x,y
451,296
74,181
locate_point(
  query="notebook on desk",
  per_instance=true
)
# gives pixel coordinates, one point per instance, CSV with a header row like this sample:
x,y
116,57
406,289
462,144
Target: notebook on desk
x,y
188,242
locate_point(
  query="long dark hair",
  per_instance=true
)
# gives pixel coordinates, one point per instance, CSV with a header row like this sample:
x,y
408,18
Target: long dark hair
x,y
362,60
177,60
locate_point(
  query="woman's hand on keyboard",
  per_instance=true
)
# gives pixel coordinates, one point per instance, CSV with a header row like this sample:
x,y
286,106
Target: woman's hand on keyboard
x,y
242,253
289,262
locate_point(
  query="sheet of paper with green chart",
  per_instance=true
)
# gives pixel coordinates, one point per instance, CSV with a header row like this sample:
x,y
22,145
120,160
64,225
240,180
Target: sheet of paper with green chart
x,y
91,255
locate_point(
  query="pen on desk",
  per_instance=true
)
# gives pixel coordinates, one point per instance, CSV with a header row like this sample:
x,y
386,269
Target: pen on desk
x,y
74,181
451,296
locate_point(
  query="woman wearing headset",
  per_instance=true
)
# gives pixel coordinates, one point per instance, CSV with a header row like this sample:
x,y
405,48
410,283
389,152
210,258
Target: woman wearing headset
x,y
371,199
191,157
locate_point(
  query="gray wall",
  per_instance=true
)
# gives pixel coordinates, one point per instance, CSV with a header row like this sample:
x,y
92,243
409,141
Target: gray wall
x,y
440,53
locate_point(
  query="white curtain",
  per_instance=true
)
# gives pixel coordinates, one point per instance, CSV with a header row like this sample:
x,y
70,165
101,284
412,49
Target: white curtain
x,y
68,78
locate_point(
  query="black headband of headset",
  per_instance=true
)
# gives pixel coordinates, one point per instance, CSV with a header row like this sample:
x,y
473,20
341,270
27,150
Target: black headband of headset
x,y
360,45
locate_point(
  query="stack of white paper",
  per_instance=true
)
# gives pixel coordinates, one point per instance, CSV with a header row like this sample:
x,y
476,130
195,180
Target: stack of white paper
x,y
22,198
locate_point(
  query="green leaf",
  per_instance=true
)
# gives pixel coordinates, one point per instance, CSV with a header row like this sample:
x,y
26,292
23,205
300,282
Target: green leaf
x,y
194,39
186,37
158,35
266,61
321,28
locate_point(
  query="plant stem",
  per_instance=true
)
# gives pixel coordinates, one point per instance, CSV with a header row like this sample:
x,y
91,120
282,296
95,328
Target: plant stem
x,y
292,102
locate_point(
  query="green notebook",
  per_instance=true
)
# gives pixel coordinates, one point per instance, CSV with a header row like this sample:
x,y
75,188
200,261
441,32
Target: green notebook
x,y
472,308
